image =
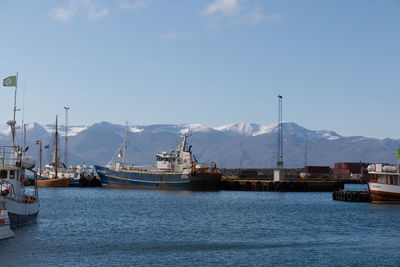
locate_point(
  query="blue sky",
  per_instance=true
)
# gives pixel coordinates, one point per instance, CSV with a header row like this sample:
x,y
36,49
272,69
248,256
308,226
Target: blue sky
x,y
214,62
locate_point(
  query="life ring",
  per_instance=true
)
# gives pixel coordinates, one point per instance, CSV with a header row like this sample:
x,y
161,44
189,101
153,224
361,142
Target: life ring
x,y
168,166
185,160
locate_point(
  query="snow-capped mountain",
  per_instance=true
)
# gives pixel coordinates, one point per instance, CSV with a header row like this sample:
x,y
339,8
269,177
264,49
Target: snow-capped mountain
x,y
240,145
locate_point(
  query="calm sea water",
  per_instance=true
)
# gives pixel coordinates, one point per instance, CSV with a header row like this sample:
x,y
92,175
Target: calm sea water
x,y
103,227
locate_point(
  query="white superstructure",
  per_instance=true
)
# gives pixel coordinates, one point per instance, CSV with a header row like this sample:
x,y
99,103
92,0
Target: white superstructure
x,y
384,184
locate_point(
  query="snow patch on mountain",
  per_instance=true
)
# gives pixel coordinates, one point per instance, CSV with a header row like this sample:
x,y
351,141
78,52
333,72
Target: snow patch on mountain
x,y
239,128
135,129
5,129
330,135
30,125
197,127
264,129
74,130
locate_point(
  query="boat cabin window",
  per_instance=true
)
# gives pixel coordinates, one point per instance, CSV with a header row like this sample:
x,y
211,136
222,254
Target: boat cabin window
x,y
161,159
3,174
12,174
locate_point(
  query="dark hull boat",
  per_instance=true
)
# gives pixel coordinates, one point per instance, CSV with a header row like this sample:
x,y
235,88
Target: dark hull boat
x,y
159,180
174,170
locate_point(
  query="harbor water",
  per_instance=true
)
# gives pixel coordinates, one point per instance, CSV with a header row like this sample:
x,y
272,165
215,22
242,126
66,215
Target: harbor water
x,y
103,227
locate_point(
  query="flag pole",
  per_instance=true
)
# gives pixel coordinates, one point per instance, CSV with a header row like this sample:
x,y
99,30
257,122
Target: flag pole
x,y
40,159
15,96
15,110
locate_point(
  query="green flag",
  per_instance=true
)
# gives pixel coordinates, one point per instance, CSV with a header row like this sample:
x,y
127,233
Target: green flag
x,y
10,81
398,154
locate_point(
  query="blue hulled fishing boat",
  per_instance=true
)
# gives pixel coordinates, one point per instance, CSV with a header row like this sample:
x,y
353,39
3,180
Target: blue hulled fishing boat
x,y
174,170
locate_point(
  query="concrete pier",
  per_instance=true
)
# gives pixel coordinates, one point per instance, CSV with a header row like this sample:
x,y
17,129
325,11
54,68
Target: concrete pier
x,y
289,185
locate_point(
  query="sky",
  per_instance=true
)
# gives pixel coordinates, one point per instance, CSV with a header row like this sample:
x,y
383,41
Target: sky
x,y
214,62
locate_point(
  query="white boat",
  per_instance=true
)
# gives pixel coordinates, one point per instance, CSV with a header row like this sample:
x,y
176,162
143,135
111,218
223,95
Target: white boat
x,y
5,230
22,204
384,186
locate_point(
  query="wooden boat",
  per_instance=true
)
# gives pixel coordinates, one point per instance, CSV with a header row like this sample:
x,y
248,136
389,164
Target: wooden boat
x,y
59,182
54,174
384,186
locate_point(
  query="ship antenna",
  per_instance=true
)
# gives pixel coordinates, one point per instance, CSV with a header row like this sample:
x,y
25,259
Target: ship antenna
x,y
66,136
125,144
56,151
122,148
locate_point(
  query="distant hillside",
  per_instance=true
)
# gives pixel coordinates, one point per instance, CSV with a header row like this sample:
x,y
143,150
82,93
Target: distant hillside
x,y
241,145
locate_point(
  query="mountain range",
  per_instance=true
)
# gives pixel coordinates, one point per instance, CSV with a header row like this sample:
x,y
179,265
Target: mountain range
x,y
240,145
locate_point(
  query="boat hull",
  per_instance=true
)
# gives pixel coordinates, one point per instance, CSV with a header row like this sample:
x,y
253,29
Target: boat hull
x,y
154,180
60,182
21,213
74,182
5,231
384,193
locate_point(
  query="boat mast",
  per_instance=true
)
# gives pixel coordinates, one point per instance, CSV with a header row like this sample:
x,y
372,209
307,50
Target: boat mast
x,y
56,150
24,147
40,159
125,145
66,136
15,110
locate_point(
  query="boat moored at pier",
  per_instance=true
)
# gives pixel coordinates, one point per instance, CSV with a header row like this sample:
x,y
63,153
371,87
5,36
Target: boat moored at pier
x,y
384,186
55,174
174,170
22,203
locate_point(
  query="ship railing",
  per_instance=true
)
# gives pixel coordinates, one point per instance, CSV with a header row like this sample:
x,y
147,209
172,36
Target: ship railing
x,y
10,193
138,167
8,156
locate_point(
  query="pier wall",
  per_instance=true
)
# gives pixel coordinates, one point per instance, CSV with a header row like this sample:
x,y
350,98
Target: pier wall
x,y
264,173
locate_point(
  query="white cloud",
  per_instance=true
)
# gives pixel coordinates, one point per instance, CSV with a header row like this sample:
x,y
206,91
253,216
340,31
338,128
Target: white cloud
x,y
257,16
90,8
62,14
133,5
225,7
169,36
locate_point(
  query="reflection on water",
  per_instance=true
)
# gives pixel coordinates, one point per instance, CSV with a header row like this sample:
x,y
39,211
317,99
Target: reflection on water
x,y
98,226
